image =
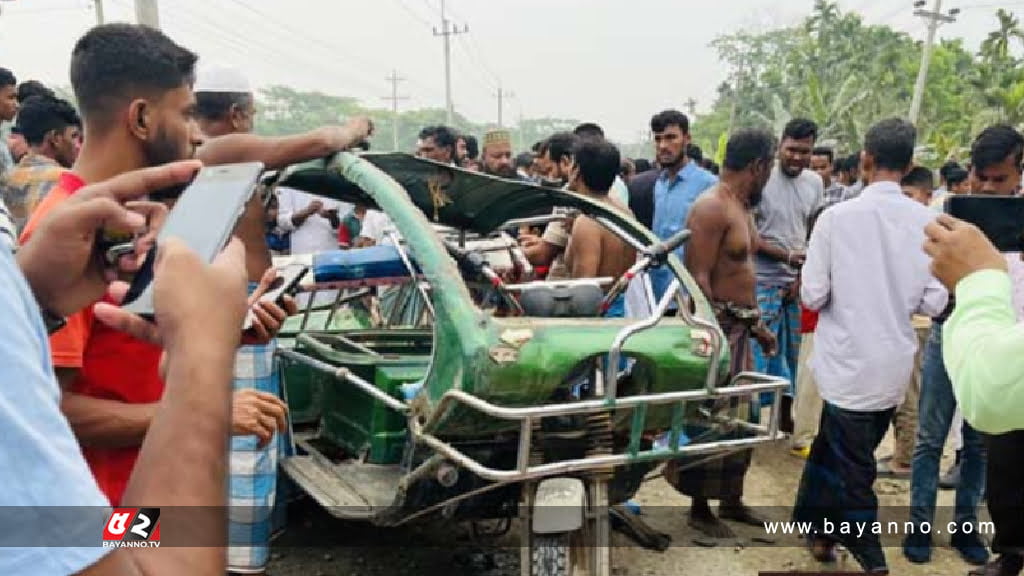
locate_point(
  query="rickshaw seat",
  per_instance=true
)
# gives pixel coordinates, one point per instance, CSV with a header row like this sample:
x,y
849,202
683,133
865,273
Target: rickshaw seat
x,y
359,264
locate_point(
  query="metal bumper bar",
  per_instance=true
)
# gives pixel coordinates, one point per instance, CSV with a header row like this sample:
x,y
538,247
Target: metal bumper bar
x,y
747,383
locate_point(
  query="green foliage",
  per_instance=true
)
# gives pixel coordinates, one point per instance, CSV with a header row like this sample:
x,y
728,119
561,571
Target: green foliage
x,y
844,74
283,110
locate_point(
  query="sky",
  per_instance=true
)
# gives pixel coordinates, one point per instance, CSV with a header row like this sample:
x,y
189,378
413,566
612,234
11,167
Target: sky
x,y
615,62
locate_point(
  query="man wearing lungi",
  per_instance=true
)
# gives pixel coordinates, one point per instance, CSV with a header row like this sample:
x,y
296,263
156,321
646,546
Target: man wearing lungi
x,y
720,256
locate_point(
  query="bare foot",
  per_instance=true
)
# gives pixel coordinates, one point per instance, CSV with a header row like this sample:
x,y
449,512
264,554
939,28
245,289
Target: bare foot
x,y
708,524
740,512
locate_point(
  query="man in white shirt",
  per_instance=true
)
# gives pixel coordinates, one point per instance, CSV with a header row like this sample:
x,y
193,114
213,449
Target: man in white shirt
x,y
866,275
313,221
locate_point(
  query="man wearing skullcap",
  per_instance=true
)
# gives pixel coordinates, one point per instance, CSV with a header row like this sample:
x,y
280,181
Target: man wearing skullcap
x,y
497,154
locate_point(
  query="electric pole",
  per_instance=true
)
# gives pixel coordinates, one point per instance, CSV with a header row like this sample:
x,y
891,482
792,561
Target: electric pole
x,y
935,18
147,14
502,94
447,31
100,20
691,107
394,79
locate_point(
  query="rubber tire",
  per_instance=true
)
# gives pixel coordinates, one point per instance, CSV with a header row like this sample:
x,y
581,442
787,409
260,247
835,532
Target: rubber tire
x,y
551,555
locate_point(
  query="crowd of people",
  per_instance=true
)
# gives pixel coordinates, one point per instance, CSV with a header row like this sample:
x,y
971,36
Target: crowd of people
x,y
834,272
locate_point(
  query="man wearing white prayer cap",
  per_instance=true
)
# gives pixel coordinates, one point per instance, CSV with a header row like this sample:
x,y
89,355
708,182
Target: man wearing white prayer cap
x,y
225,111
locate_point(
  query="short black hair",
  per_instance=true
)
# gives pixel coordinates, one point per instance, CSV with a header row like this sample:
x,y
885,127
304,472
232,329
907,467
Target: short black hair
x,y
472,146
642,165
800,129
599,163
30,88
693,152
113,64
663,120
217,105
748,146
561,145
7,78
947,168
919,177
524,160
891,143
39,115
588,129
443,136
995,144
824,151
957,176
714,168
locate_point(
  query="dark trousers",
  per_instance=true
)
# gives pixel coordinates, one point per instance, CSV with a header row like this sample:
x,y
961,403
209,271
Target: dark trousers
x,y
1005,483
837,483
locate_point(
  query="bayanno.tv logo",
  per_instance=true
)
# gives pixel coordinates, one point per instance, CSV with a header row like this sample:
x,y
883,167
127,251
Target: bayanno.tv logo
x,y
132,528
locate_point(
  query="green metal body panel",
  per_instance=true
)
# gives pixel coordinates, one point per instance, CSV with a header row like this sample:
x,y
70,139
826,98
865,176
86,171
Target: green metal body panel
x,y
352,419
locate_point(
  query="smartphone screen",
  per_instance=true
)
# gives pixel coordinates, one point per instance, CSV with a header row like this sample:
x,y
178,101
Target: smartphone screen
x,y
1000,218
203,218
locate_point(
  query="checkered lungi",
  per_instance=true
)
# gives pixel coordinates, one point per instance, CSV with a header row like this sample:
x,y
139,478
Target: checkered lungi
x,y
720,478
253,470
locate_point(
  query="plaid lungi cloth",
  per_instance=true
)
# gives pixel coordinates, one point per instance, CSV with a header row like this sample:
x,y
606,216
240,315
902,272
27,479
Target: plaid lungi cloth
x,y
721,478
253,470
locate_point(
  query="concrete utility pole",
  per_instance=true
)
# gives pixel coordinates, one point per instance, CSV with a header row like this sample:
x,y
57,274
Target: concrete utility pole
x,y
394,79
447,31
146,13
100,20
691,107
502,94
935,18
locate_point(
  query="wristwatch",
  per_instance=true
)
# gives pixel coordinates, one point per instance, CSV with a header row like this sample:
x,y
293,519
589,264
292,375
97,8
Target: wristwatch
x,y
52,321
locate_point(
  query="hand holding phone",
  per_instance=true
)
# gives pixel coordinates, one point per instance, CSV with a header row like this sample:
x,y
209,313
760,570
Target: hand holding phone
x,y
203,218
286,283
1000,218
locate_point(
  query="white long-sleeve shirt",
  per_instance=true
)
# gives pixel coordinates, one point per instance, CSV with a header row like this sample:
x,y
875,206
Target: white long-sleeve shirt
x,y
316,234
867,274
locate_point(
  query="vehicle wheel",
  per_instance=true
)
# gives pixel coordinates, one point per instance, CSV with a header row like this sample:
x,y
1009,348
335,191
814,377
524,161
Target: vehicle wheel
x,y
551,555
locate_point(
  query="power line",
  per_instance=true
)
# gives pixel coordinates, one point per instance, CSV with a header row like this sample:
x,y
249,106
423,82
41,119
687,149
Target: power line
x,y
414,14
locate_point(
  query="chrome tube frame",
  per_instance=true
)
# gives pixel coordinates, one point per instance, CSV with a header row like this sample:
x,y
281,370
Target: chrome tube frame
x,y
412,271
345,374
611,376
746,383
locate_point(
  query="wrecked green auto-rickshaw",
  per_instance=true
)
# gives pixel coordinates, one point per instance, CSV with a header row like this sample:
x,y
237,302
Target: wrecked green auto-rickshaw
x,y
456,386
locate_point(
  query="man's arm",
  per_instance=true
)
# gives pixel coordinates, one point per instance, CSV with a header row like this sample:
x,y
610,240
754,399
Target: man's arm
x,y
278,153
708,225
102,423
774,252
585,245
983,348
816,275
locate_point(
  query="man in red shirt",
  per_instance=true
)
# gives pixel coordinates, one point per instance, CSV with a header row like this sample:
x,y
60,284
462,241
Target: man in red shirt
x,y
133,85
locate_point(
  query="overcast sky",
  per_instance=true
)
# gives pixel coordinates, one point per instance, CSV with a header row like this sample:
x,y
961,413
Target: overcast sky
x,y
611,61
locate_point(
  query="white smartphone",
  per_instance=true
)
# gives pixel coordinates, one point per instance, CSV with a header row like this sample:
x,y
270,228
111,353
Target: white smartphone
x,y
203,218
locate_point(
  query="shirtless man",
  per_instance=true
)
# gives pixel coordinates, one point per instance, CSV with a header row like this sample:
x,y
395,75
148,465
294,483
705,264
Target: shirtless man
x,y
720,256
593,251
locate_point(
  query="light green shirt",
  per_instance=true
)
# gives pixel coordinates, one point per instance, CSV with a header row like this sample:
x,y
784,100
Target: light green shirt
x,y
983,348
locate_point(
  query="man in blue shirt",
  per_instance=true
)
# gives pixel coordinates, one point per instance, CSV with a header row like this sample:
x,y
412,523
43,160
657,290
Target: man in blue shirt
x,y
680,183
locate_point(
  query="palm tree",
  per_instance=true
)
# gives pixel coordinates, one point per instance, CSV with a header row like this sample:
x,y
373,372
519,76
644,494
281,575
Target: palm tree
x,y
997,45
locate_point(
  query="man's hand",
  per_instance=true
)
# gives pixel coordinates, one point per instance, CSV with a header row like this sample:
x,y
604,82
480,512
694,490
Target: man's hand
x,y
959,249
797,259
314,207
268,317
769,344
62,263
529,240
255,413
195,303
340,138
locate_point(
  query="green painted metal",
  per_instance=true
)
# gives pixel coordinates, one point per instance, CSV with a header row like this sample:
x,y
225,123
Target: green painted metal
x,y
636,431
506,361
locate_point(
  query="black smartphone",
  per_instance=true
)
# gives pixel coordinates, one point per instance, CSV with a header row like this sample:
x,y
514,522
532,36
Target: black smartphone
x,y
203,218
1001,218
286,283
